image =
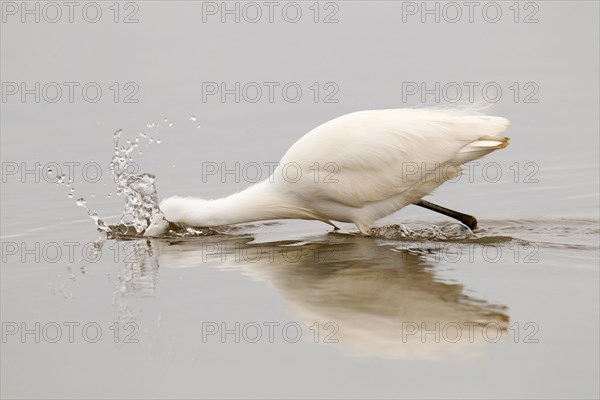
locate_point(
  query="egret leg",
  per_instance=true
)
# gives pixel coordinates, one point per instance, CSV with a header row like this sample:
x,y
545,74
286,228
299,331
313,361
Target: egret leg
x,y
468,220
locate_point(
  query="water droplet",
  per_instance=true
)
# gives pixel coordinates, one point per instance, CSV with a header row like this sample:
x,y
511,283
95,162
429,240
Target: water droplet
x,y
70,195
138,189
198,127
157,141
165,119
81,202
109,194
193,118
93,195
170,124
49,170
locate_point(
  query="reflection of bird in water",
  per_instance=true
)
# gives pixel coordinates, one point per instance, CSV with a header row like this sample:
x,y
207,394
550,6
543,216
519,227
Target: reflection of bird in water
x,y
383,300
357,168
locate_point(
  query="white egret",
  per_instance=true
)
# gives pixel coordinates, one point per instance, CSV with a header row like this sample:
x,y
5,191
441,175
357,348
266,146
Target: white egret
x,y
356,168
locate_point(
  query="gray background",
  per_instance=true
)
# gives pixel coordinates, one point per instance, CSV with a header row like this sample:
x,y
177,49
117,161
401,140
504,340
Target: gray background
x,y
368,54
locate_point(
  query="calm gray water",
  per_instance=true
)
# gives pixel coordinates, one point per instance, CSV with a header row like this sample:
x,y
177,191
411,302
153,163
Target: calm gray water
x,y
287,308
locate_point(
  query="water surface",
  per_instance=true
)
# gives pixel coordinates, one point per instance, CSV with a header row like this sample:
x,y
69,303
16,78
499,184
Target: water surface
x,y
339,315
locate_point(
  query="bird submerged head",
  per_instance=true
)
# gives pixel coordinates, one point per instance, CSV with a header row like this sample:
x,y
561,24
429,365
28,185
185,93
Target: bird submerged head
x,y
190,211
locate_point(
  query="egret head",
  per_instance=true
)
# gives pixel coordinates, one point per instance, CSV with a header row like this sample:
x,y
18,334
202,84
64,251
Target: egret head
x,y
189,211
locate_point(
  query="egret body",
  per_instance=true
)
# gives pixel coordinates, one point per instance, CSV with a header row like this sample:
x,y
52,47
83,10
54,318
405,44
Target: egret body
x,y
356,168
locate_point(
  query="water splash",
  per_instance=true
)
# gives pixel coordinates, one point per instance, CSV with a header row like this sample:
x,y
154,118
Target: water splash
x,y
141,202
141,209
101,225
449,231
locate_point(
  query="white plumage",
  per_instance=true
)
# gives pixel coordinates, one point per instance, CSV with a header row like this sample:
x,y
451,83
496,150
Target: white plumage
x,y
357,168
